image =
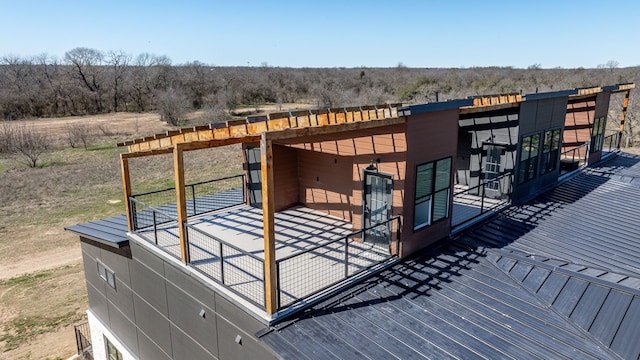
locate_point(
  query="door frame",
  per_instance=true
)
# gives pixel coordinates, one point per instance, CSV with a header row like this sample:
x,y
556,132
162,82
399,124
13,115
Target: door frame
x,y
366,173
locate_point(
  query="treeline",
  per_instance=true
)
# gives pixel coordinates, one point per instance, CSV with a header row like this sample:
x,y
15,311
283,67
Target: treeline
x,y
87,81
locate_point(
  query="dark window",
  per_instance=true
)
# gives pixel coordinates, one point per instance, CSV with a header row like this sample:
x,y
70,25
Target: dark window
x,y
598,131
107,275
550,150
493,155
528,158
112,352
433,182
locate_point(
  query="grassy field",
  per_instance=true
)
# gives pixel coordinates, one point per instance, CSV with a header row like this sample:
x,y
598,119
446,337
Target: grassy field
x,y
42,288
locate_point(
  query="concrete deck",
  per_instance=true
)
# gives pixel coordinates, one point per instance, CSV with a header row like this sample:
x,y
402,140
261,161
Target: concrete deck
x,y
219,244
467,206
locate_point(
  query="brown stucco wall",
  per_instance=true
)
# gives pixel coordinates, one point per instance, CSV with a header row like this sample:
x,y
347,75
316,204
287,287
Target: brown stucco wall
x,y
430,137
285,177
330,169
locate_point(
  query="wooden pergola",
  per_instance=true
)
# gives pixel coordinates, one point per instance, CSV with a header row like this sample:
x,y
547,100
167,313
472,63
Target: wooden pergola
x,y
279,126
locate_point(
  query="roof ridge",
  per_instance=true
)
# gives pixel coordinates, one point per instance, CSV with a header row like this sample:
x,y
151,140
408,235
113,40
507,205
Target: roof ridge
x,y
568,267
566,309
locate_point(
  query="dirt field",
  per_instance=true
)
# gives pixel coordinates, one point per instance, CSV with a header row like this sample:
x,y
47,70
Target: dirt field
x,y
42,288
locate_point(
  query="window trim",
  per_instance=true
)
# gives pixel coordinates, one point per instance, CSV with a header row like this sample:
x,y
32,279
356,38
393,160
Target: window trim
x,y
490,180
118,354
106,274
555,152
597,133
525,164
433,192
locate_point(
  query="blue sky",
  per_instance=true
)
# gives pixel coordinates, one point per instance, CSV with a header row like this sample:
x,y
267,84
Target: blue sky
x,y
581,33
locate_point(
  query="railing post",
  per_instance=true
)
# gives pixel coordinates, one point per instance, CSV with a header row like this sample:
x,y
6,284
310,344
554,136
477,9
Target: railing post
x,y
131,205
181,205
346,257
155,227
221,262
126,184
193,198
482,198
268,219
278,290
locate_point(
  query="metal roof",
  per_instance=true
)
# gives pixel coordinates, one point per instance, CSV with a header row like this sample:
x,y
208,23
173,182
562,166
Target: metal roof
x,y
554,278
110,231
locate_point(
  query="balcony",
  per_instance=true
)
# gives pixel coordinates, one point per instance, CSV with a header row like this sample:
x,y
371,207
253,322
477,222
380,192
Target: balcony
x,y
225,242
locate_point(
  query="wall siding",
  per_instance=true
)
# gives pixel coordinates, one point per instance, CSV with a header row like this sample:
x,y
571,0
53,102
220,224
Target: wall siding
x,y
158,315
430,136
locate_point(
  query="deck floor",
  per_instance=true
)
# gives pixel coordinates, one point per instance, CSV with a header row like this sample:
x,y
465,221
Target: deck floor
x,y
297,230
468,206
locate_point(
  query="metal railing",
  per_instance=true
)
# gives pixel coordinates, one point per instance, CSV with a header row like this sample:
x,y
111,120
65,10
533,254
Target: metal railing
x,y
575,158
307,273
488,196
201,198
83,341
610,142
238,270
164,225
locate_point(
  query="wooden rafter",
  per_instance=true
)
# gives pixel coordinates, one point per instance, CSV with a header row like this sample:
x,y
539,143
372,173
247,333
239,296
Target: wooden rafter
x,y
240,131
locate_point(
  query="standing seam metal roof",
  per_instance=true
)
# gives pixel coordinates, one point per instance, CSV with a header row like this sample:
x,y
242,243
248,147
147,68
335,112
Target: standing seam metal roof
x,y
554,278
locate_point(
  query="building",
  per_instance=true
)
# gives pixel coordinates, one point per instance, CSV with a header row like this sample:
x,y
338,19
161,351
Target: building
x,y
333,203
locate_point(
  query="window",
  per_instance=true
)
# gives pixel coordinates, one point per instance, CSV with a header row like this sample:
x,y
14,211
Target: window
x,y
107,275
550,149
528,158
492,158
112,352
596,137
433,182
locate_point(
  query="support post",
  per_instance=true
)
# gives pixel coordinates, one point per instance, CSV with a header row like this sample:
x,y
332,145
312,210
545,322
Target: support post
x,y
181,203
623,117
270,276
126,185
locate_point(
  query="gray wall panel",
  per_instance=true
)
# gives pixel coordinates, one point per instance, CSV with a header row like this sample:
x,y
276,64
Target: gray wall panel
x,y
98,303
91,273
185,348
147,258
247,349
121,297
126,330
528,115
149,350
151,322
190,285
559,112
119,262
184,312
149,285
91,250
238,316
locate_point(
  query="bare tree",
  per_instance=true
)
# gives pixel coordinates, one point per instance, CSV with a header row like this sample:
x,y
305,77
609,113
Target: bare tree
x,y
78,134
7,137
172,105
119,63
85,67
30,144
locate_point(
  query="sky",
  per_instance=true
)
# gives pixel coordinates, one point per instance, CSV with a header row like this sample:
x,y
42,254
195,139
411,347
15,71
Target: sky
x,y
332,33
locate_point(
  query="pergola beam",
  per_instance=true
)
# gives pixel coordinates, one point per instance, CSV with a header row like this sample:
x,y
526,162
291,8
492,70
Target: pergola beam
x,y
331,129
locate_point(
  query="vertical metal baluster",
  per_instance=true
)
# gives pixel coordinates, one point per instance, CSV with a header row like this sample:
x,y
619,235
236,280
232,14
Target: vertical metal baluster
x,y
193,198
155,227
346,256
